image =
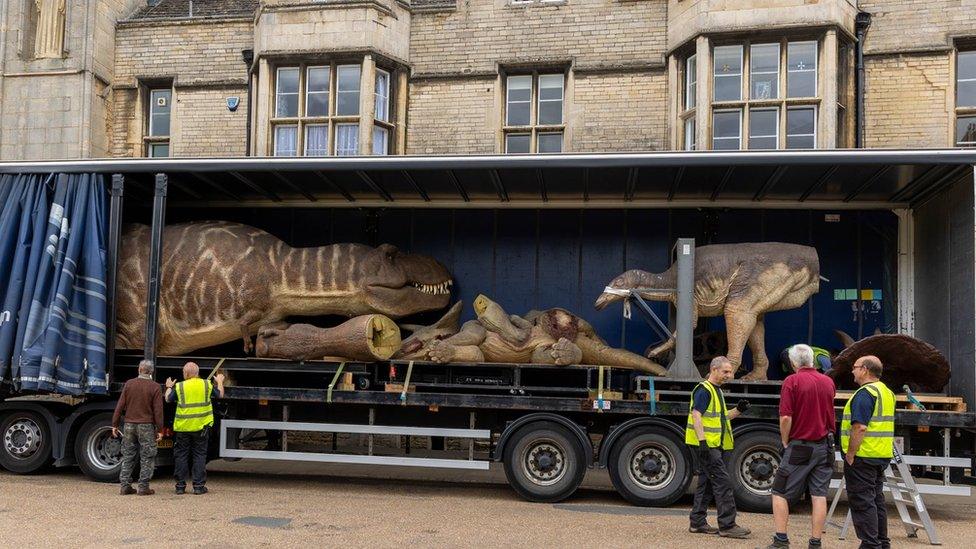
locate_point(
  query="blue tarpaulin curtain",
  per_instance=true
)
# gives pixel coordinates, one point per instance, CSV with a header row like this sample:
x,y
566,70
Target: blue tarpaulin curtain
x,y
53,309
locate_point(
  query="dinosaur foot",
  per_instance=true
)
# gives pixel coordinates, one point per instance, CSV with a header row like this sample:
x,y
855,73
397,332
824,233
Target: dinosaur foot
x,y
755,375
565,352
441,351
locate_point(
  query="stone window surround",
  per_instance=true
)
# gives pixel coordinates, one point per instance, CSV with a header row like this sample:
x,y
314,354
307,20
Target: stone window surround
x,y
263,84
533,129
961,47
145,89
701,48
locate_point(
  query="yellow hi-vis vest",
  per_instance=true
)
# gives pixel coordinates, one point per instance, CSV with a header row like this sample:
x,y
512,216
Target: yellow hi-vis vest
x,y
879,440
717,435
193,408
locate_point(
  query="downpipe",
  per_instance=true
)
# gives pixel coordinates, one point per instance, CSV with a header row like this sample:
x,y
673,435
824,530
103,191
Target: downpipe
x,y
248,57
861,23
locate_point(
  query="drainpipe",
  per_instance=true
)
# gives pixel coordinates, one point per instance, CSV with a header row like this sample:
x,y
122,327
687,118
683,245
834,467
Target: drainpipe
x,y
248,57
861,24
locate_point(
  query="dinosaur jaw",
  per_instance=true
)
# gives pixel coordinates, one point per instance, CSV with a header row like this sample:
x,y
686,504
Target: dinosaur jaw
x,y
411,298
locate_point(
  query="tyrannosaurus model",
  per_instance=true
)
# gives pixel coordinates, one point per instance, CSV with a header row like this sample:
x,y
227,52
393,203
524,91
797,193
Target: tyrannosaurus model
x,y
743,282
222,280
553,336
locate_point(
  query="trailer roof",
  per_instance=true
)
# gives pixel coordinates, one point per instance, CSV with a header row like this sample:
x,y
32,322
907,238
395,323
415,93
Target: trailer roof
x,y
832,179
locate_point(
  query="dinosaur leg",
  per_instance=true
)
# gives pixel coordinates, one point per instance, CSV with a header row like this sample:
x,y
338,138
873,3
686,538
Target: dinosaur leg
x,y
668,345
595,351
562,352
757,344
739,325
245,323
462,346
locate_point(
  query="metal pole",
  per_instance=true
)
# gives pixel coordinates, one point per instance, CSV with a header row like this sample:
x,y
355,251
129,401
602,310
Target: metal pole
x,y
155,269
117,192
861,23
683,366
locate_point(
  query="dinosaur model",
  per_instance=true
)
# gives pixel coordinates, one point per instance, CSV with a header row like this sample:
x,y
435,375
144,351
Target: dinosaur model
x,y
222,280
553,336
743,282
905,360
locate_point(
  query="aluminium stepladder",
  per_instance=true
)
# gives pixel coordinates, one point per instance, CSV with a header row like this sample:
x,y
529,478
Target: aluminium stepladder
x,y
904,491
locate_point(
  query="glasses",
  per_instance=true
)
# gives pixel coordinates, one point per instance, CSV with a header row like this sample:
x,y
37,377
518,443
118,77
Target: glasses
x,y
856,367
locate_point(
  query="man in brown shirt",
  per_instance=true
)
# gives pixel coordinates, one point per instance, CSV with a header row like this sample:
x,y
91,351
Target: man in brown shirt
x,y
141,403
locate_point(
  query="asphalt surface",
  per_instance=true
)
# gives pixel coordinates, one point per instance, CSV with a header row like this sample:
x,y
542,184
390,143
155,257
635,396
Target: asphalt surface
x,y
258,504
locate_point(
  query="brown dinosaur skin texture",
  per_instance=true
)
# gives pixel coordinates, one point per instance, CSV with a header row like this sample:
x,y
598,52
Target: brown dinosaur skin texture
x,y
743,282
906,361
553,336
222,280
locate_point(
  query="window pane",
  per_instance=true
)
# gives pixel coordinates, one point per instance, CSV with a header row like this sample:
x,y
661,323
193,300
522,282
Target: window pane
x,y
801,128
550,99
728,73
966,79
317,140
691,81
158,150
689,137
317,91
382,96
381,140
519,99
966,131
764,71
801,67
159,111
286,92
727,130
517,143
347,139
763,128
286,141
550,143
347,96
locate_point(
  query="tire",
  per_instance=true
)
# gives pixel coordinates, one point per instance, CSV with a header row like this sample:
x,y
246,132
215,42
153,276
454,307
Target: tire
x,y
25,442
99,456
544,462
649,467
752,467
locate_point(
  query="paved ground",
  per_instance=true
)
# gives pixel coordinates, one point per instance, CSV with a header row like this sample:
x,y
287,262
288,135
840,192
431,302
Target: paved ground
x,y
291,505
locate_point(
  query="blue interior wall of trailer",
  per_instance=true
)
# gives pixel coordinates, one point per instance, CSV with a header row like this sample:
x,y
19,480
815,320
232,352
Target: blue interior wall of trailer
x,y
526,259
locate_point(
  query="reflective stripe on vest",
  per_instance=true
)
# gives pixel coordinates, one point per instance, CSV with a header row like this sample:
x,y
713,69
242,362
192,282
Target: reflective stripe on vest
x,y
879,439
717,435
193,408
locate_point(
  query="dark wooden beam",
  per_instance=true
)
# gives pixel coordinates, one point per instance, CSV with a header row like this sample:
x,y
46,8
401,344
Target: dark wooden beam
x,y
679,174
867,183
377,188
770,182
586,184
413,182
918,182
721,184
818,183
496,180
457,185
337,187
293,186
255,187
542,185
186,189
217,186
631,187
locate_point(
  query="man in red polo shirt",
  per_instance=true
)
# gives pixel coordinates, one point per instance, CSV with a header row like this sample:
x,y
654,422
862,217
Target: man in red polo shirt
x,y
806,424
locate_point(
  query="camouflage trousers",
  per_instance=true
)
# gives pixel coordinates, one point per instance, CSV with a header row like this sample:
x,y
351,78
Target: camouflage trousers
x,y
138,443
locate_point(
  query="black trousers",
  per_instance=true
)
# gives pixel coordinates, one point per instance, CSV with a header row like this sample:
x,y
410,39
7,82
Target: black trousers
x,y
865,493
186,446
713,484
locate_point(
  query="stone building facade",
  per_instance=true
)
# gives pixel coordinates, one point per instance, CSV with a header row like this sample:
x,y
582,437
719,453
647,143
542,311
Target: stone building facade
x,y
338,77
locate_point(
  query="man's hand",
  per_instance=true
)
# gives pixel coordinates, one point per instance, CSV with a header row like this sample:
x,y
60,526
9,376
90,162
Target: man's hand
x,y
219,378
742,406
703,453
159,437
849,458
115,432
170,383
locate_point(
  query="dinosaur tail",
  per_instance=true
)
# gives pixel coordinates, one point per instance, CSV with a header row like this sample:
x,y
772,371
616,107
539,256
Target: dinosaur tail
x,y
596,352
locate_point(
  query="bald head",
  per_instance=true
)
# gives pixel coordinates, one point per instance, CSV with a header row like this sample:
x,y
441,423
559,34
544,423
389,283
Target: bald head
x,y
190,369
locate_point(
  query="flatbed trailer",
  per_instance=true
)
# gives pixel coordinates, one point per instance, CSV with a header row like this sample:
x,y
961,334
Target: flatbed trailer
x,y
546,424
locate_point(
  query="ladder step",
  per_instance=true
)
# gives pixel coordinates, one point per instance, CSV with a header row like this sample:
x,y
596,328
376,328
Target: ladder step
x,y
902,500
915,524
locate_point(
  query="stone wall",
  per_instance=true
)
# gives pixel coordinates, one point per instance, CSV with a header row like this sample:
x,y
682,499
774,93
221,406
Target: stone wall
x,y
620,112
916,25
452,116
907,101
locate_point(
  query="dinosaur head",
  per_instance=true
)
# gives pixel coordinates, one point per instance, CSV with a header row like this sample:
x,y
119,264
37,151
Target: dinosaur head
x,y
414,347
653,286
398,284
494,318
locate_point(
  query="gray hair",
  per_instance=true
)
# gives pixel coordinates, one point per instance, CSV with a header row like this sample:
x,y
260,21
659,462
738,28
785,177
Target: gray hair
x,y
190,369
146,367
801,356
718,362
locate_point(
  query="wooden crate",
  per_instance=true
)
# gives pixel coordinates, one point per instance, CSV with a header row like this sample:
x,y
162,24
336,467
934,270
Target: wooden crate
x,y
932,403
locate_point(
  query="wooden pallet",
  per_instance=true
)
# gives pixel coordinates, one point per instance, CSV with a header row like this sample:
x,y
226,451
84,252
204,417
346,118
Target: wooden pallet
x,y
932,403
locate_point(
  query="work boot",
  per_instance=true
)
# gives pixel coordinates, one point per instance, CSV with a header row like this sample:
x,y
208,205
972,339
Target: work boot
x,y
736,532
126,490
180,490
147,491
703,529
777,544
200,491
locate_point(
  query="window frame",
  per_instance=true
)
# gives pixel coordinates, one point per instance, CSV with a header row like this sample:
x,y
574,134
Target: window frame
x,y
742,128
534,129
150,141
387,124
965,111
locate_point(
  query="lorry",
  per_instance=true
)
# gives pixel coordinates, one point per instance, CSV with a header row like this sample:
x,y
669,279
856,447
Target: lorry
x,y
894,231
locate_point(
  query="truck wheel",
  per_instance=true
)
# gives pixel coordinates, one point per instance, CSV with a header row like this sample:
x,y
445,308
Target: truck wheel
x,y
99,456
649,468
544,462
26,442
752,468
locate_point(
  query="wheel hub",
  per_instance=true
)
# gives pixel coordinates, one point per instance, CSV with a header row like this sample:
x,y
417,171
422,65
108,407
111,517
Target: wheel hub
x,y
544,463
22,438
104,451
651,467
758,468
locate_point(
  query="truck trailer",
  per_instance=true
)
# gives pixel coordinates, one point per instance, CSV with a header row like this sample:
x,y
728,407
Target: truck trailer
x,y
894,231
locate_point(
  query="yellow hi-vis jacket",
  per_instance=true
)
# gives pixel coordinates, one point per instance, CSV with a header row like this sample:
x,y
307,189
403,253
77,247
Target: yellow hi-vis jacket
x,y
879,439
717,435
193,408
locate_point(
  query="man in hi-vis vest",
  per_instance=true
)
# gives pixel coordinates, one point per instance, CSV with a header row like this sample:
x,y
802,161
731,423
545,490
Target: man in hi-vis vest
x,y
709,430
191,427
867,438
